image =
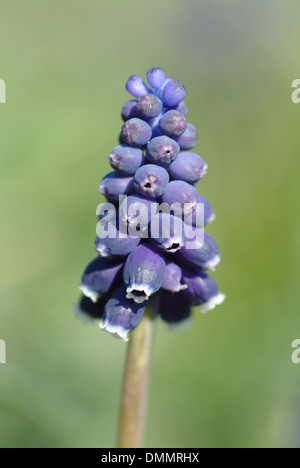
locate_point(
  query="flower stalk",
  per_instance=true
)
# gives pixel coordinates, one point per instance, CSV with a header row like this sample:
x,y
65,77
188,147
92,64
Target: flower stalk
x,y
136,382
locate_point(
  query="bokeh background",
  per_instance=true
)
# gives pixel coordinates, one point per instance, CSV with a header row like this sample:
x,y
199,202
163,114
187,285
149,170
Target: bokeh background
x,y
229,381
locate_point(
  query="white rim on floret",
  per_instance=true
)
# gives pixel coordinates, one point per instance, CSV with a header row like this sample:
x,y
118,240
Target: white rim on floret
x,y
93,295
115,331
212,303
145,289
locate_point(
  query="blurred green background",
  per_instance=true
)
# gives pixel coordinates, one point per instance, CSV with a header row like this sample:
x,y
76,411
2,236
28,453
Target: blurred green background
x,y
229,381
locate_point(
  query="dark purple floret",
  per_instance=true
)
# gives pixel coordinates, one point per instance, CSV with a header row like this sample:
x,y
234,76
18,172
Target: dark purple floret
x,y
175,310
100,276
121,315
115,244
143,273
88,310
173,278
202,254
202,289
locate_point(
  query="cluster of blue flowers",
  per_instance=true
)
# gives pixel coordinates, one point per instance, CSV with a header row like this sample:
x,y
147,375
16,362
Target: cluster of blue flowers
x,y
153,165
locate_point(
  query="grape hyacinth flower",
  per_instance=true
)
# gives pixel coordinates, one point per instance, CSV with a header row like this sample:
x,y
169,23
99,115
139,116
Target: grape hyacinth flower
x,y
152,247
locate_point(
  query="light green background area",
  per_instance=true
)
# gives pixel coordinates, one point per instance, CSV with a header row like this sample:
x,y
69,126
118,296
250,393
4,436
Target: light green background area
x,y
229,381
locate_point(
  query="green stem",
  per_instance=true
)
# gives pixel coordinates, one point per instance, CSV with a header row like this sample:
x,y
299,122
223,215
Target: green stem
x,y
136,382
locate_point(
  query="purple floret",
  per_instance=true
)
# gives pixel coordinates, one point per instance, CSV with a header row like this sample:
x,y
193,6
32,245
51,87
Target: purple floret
x,y
121,315
126,159
188,140
173,92
162,150
136,132
143,273
189,167
114,185
151,180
